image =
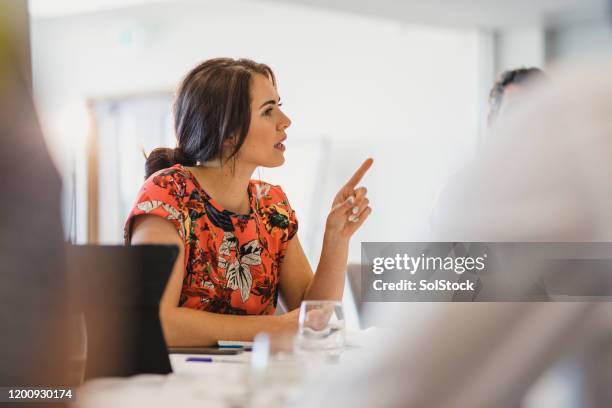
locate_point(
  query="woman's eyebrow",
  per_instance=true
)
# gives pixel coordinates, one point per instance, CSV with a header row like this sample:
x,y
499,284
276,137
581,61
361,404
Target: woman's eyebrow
x,y
270,102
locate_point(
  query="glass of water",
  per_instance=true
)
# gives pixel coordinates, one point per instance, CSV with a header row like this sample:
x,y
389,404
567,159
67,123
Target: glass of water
x,y
321,330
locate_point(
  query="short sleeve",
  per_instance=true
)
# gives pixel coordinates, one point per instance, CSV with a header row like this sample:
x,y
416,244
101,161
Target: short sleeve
x,y
163,195
293,222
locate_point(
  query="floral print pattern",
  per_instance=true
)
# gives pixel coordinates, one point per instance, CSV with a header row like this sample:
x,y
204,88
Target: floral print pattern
x,y
232,261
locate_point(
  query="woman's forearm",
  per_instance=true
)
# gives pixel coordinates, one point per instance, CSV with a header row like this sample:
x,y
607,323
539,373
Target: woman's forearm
x,y
328,280
350,209
184,327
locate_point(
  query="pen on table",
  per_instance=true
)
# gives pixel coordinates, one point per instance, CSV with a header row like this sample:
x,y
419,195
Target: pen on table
x,y
212,360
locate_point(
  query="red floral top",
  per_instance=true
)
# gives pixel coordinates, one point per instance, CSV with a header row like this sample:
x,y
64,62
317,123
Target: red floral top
x,y
232,261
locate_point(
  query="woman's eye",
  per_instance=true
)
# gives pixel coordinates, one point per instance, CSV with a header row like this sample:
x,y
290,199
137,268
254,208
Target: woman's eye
x,y
268,112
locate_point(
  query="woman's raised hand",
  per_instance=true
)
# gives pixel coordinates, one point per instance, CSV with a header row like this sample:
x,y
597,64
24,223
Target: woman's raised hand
x,y
351,206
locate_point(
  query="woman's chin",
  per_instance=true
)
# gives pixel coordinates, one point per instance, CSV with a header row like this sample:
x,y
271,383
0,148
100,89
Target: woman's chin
x,y
276,161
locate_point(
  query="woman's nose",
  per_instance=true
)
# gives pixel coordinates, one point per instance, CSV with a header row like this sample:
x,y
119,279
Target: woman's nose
x,y
285,122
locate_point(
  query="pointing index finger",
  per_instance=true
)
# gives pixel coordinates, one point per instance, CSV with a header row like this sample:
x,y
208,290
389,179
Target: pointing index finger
x,y
356,178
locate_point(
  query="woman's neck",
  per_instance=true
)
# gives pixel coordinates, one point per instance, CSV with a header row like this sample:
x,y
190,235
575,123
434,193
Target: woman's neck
x,y
227,185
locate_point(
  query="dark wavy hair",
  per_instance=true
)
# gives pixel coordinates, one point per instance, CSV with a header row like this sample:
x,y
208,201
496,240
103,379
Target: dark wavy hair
x,y
511,77
212,106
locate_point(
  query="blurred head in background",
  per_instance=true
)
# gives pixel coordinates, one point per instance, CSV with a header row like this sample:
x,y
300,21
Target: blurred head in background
x,y
224,110
543,176
509,89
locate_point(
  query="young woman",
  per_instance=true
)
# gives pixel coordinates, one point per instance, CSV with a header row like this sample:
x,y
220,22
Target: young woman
x,y
237,237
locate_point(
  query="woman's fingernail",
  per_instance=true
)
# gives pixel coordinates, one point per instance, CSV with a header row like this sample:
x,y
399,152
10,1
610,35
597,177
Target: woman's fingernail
x,y
355,210
353,218
351,199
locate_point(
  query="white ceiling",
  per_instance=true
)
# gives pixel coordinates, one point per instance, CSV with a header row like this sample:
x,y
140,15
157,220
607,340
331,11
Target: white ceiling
x,y
466,13
472,13
60,8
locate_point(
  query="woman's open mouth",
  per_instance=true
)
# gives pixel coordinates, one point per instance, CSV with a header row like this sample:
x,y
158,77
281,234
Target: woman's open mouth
x,y
280,146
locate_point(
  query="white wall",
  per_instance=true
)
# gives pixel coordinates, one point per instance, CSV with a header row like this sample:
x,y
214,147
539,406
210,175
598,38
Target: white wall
x,y
405,95
521,46
580,40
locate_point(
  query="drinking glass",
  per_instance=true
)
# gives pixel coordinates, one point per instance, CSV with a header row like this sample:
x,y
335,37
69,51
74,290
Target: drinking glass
x,y
321,329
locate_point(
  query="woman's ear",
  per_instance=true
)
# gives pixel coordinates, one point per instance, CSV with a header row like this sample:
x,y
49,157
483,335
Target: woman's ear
x,y
228,146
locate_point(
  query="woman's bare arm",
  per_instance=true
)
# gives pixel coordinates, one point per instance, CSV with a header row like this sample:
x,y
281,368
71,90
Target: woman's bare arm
x,y
349,211
189,327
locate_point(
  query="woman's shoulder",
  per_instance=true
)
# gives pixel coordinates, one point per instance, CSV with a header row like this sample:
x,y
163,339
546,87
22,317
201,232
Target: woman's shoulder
x,y
275,210
176,181
268,194
174,174
164,194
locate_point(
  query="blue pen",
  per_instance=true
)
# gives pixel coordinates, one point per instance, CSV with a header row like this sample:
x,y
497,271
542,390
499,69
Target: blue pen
x,y
200,359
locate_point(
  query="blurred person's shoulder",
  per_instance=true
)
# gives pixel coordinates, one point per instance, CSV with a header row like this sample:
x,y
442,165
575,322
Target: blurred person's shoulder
x,y
574,88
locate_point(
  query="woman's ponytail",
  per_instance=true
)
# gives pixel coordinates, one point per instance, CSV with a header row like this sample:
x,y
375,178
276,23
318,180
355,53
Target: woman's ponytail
x,y
164,157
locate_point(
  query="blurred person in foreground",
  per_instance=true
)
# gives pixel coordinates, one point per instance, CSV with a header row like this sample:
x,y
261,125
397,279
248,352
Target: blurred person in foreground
x,y
237,237
520,188
507,94
32,278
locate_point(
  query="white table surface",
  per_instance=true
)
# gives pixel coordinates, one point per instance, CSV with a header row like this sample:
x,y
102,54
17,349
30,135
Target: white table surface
x,y
228,382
